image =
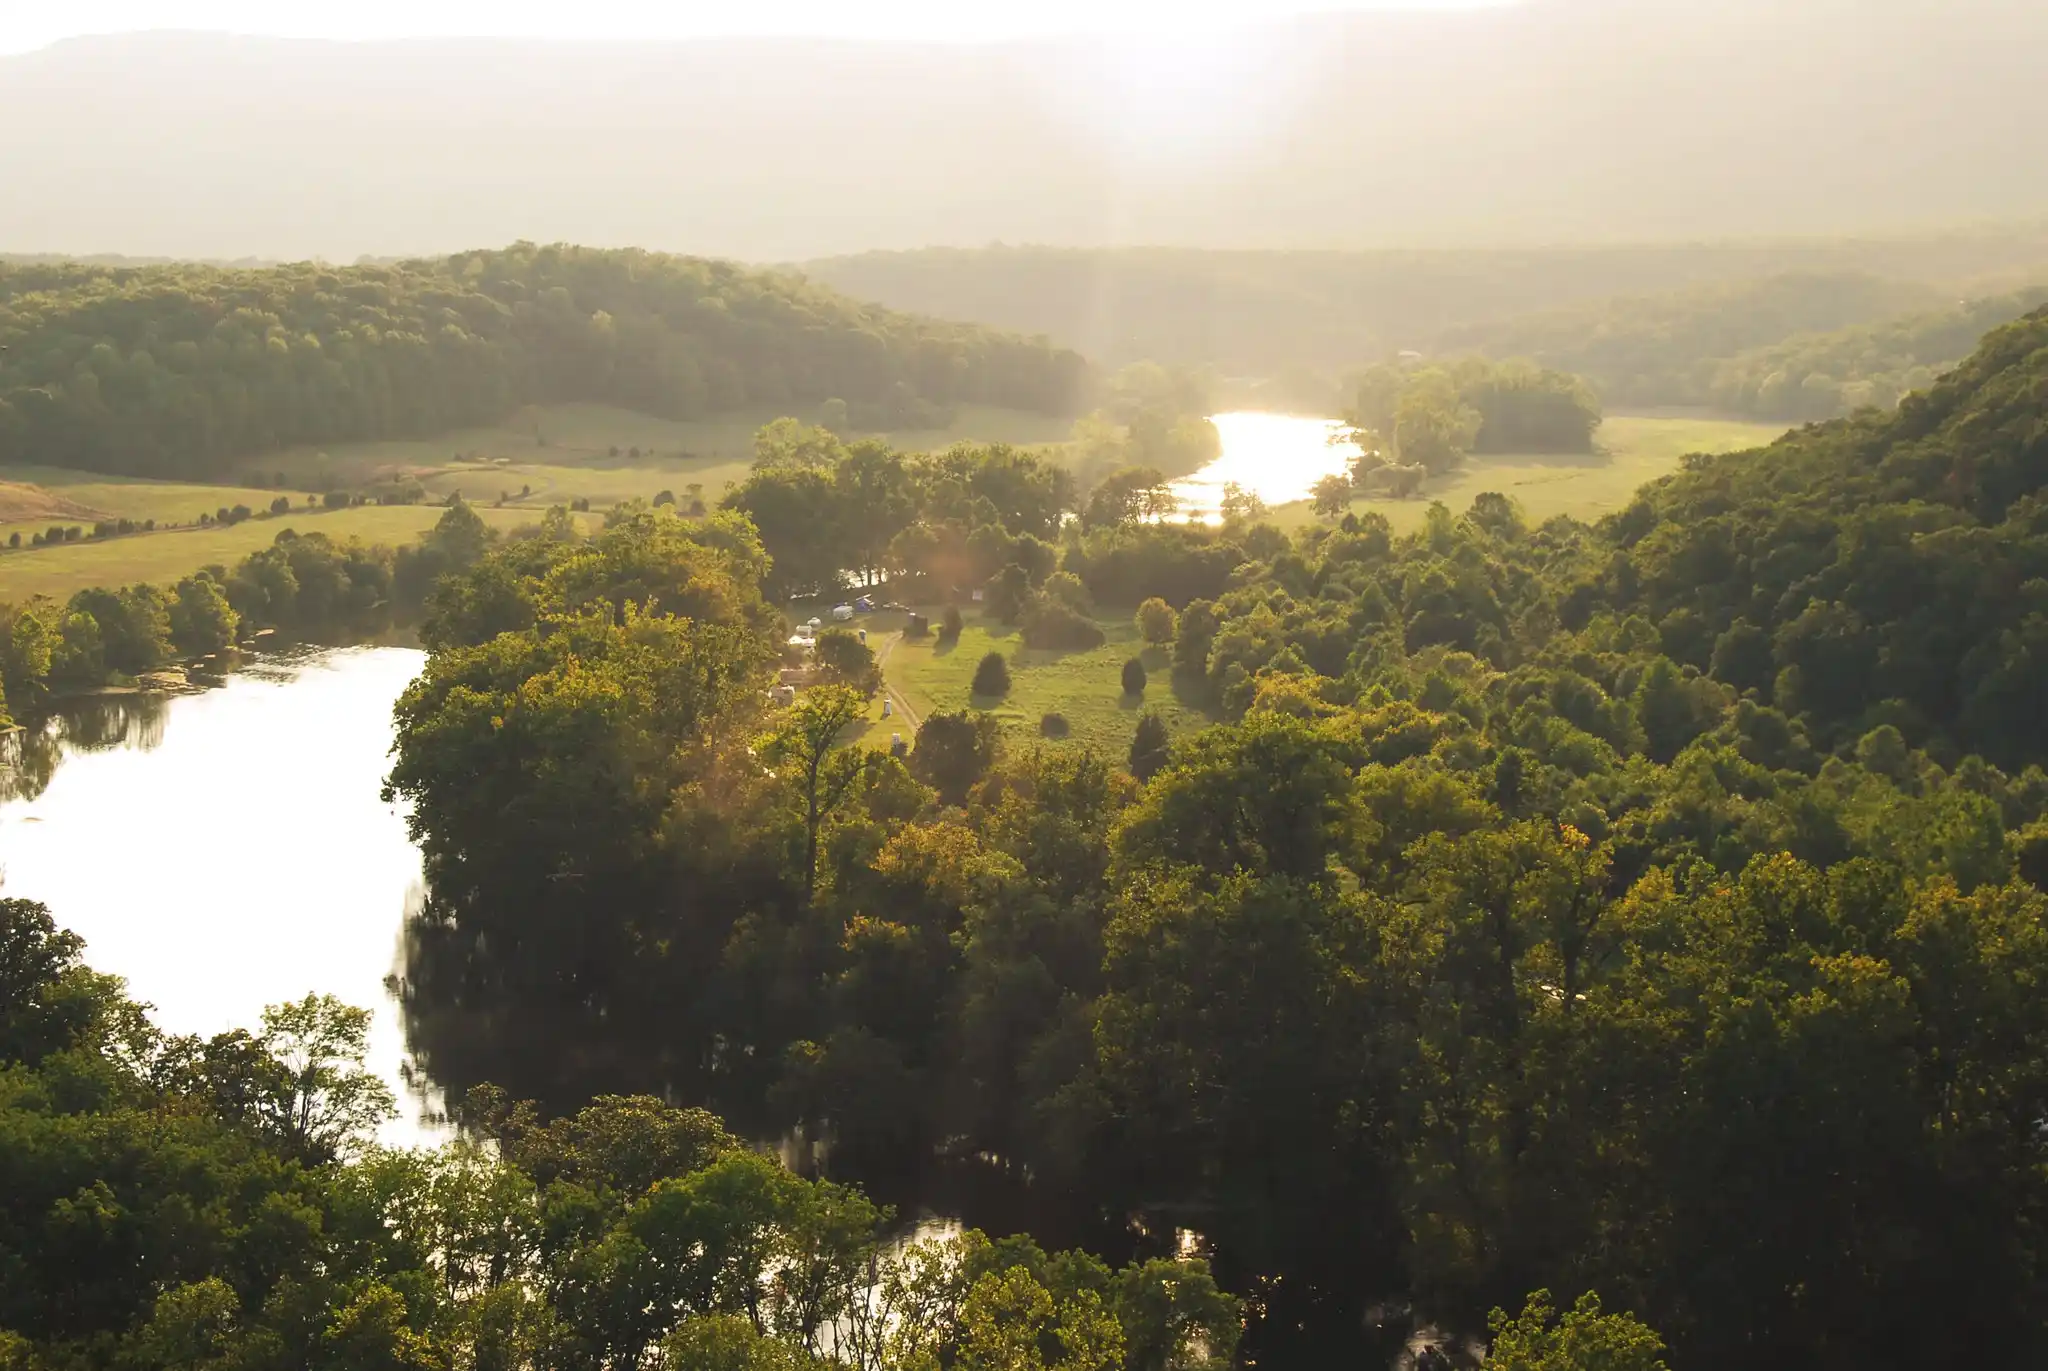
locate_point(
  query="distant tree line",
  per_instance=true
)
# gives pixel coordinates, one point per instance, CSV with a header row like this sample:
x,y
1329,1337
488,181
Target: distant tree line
x,y
180,370
1813,376
1794,348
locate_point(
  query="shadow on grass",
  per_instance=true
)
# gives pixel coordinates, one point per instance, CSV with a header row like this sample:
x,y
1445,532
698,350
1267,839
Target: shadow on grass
x,y
1194,696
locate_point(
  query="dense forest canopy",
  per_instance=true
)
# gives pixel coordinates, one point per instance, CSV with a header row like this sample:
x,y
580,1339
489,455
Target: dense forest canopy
x,y
178,370
1539,122
1652,909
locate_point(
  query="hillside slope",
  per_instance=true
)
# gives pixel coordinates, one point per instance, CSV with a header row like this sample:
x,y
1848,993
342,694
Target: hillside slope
x,y
176,370
1883,568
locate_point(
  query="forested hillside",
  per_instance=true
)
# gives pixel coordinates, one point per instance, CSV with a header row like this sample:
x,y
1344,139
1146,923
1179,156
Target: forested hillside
x,y
1663,349
1819,375
180,369
1262,313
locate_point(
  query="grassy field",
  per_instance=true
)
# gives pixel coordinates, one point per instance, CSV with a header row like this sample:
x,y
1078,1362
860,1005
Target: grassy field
x,y
163,556
32,498
1085,687
554,454
565,452
1635,448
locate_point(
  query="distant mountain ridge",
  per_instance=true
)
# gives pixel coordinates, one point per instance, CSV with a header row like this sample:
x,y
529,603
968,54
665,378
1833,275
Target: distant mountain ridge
x,y
1543,122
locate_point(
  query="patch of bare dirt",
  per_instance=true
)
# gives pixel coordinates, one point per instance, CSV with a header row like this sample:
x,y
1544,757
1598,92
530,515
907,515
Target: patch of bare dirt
x,y
21,501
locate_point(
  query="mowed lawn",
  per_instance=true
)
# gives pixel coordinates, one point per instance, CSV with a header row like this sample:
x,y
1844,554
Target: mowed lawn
x,y
164,557
1085,687
1635,449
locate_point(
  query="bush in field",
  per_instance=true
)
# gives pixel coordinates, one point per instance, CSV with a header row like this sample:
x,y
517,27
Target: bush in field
x,y
1156,622
1134,677
992,677
1050,622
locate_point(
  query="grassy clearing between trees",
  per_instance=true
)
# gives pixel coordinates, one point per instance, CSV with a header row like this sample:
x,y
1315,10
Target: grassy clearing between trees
x,y
575,464
1635,449
165,556
34,497
1085,687
564,452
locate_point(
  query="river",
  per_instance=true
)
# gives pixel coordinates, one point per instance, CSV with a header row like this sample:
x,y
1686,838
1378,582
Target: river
x,y
1277,457
226,849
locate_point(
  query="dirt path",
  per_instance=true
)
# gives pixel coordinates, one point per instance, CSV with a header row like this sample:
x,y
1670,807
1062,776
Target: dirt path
x,y
901,704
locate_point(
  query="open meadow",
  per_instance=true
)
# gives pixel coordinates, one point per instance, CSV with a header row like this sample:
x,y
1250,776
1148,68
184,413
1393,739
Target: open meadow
x,y
1084,687
560,453
542,456
166,555
1634,449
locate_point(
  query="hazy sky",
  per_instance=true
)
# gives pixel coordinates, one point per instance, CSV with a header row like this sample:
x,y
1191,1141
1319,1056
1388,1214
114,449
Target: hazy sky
x,y
25,26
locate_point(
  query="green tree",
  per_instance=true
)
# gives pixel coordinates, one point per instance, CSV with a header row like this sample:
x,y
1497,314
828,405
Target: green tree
x,y
806,740
319,1101
201,619
1150,747
954,752
992,677
1157,622
1134,677
1582,1339
846,660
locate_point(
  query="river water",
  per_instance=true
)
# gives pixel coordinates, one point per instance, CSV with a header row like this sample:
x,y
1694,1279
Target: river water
x,y
1277,457
226,849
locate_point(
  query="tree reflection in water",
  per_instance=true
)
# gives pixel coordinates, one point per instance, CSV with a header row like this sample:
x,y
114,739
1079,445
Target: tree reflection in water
x,y
29,757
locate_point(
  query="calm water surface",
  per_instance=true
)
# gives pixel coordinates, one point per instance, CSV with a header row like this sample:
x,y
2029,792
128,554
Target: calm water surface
x,y
227,849
1277,457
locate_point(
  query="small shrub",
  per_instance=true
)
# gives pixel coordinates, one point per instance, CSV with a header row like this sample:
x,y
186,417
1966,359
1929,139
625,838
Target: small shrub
x,y
1134,677
666,497
992,676
950,625
1054,726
